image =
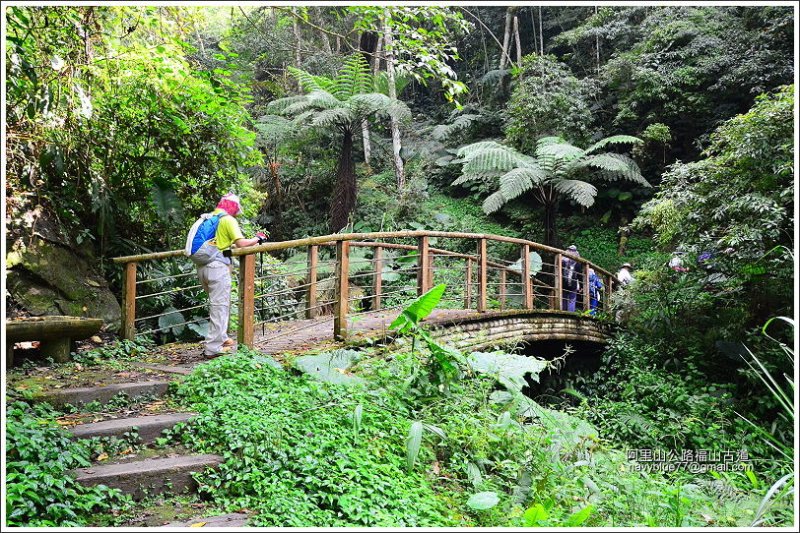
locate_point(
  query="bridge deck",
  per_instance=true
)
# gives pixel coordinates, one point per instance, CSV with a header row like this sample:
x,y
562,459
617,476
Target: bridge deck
x,y
304,334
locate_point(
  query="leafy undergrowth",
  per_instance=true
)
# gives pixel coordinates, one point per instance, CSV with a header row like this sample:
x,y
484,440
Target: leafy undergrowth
x,y
390,449
39,493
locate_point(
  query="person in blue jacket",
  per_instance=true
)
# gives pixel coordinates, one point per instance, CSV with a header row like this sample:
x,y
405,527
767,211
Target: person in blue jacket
x,y
595,288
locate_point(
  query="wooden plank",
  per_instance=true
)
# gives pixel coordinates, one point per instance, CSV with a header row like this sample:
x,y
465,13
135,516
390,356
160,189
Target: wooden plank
x,y
502,289
482,275
423,266
586,296
129,302
247,301
468,288
311,294
559,295
342,290
377,278
525,277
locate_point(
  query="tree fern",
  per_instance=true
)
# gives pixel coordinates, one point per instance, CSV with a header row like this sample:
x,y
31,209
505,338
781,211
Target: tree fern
x,y
443,131
557,167
614,139
353,78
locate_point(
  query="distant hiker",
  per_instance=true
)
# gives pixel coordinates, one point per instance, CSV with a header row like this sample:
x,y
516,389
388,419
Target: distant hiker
x,y
570,276
209,246
595,287
624,275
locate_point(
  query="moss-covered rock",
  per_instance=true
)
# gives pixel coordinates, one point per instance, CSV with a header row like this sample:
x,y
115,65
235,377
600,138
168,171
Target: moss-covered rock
x,y
48,276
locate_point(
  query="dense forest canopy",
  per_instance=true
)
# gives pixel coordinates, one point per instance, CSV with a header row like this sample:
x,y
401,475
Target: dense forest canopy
x,y
636,133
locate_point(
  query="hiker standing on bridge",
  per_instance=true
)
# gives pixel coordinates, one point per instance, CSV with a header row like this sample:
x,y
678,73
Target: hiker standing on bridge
x,y
209,246
570,280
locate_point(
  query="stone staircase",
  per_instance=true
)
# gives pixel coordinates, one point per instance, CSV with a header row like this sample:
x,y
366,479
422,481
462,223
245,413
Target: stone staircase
x,y
153,471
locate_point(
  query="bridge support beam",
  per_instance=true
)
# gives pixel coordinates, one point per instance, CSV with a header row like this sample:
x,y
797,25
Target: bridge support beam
x,y
129,302
377,279
342,290
557,283
423,266
525,277
311,295
586,295
482,275
468,287
247,292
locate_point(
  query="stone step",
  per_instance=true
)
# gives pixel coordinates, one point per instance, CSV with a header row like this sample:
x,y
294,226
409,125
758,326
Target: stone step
x,y
81,396
183,370
148,476
228,520
150,427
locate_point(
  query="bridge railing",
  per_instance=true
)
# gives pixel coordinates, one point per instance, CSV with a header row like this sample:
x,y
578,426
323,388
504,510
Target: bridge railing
x,y
345,277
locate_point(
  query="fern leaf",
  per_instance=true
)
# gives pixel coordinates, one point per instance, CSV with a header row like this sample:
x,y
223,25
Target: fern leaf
x,y
443,131
579,191
614,166
323,99
614,139
494,202
308,82
278,106
563,151
339,116
353,78
520,180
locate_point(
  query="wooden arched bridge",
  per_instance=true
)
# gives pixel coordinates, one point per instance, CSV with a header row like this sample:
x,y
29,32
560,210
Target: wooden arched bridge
x,y
343,286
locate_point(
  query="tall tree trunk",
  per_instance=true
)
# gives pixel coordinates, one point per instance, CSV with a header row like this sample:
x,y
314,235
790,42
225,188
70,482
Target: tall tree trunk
x,y
376,58
326,43
533,30
344,196
296,32
597,45
541,33
365,139
550,229
504,55
399,171
516,39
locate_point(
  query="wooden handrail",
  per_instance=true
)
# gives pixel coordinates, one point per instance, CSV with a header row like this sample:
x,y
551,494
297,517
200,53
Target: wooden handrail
x,y
336,237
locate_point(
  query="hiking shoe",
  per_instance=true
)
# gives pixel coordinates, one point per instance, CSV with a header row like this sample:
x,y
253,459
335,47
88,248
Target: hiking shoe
x,y
223,351
228,342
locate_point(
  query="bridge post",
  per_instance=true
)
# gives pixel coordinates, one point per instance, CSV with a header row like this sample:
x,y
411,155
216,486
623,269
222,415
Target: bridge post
x,y
527,296
247,292
586,296
557,282
482,275
129,302
342,290
377,279
468,288
311,294
607,295
502,288
423,266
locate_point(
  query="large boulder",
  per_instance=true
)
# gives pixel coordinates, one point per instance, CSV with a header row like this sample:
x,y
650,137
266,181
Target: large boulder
x,y
49,275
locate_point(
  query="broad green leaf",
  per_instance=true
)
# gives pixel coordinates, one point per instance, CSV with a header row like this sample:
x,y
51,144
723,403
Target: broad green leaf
x,y
413,443
419,308
535,514
509,369
172,321
330,367
483,500
579,517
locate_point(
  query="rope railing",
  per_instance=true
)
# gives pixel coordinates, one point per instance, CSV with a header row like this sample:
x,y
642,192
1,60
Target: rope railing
x,y
383,271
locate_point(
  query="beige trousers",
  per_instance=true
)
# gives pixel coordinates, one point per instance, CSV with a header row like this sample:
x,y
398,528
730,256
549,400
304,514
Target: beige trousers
x,y
215,278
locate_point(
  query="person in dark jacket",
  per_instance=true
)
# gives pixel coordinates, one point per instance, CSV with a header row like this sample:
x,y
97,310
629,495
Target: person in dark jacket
x,y
570,279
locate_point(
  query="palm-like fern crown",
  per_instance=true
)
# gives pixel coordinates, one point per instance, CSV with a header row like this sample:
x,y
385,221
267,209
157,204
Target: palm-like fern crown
x,y
558,167
343,101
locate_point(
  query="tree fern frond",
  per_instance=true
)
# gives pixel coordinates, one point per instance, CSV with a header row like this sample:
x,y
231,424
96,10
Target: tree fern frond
x,y
520,180
308,82
562,150
478,176
279,106
544,141
443,131
339,116
299,107
323,99
614,139
579,191
494,202
273,128
614,166
353,78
